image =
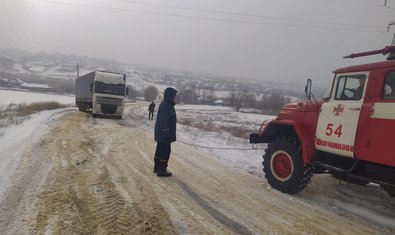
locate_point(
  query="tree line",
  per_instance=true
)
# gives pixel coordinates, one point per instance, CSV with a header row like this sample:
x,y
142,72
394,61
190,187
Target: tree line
x,y
269,103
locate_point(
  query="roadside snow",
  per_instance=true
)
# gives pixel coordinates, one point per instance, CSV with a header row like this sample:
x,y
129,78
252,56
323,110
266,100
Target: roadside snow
x,y
17,97
17,138
202,107
369,202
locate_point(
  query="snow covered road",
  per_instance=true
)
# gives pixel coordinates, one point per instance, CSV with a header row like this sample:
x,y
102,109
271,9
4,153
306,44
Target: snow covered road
x,y
94,176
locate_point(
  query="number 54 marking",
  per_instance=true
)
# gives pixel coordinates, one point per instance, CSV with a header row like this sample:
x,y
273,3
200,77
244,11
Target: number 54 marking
x,y
338,130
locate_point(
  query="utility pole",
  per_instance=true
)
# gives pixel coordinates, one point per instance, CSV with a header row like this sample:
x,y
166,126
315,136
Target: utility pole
x,y
78,71
391,55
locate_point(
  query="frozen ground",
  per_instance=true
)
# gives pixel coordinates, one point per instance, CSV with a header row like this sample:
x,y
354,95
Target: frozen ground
x,y
368,202
95,176
17,138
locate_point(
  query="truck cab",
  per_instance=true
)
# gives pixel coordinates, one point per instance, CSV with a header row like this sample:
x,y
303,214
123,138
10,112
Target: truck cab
x,y
347,134
109,91
358,123
102,93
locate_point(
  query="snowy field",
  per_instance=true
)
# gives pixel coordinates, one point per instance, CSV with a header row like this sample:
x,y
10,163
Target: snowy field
x,y
369,202
17,97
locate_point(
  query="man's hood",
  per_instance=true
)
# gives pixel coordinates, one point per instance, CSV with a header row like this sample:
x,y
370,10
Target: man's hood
x,y
170,93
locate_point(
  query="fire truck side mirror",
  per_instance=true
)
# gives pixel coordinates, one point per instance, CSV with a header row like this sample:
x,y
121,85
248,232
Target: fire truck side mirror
x,y
307,88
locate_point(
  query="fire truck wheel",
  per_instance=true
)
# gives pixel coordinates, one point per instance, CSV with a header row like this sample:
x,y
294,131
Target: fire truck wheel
x,y
284,167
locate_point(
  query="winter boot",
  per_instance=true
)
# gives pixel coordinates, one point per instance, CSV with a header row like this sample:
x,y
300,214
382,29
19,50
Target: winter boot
x,y
164,173
156,164
162,169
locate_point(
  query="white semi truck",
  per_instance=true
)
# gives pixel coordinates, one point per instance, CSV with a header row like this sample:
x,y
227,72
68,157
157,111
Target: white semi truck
x,y
102,93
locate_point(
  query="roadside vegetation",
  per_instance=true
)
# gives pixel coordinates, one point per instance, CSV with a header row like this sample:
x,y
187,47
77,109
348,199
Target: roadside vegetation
x,y
16,114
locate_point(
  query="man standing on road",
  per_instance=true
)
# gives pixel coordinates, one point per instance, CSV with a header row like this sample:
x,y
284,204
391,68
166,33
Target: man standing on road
x,y
151,109
165,132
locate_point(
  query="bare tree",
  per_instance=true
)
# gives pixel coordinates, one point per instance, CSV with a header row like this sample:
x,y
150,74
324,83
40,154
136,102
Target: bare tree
x,y
187,96
235,99
273,102
150,93
239,99
132,92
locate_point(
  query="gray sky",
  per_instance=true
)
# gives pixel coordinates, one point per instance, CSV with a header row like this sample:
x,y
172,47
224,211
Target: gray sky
x,y
269,50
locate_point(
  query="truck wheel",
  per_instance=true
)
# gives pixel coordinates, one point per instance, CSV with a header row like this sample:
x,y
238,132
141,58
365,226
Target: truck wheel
x,y
284,167
94,115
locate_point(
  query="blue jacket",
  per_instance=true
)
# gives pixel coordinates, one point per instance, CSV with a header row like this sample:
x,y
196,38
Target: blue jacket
x,y
166,119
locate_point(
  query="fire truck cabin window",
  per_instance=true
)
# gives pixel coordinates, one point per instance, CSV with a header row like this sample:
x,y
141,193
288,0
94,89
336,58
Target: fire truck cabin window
x,y
350,87
389,86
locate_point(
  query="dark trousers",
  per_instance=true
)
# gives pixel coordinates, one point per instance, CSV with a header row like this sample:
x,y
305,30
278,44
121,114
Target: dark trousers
x,y
151,115
162,155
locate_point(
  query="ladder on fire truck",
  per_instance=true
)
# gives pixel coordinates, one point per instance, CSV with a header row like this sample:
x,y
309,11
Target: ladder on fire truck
x,y
390,50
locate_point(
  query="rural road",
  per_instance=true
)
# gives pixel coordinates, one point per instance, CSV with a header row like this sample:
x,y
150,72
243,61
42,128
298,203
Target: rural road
x,y
94,176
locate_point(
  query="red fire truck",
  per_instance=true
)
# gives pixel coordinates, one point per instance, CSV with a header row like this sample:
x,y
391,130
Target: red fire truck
x,y
347,134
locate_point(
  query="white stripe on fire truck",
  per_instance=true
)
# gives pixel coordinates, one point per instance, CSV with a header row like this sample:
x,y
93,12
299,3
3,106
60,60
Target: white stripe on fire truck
x,y
384,111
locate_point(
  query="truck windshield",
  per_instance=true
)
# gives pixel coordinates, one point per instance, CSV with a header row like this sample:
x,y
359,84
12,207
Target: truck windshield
x,y
113,89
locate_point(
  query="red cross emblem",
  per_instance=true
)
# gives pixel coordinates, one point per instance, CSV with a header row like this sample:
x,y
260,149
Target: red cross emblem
x,y
339,109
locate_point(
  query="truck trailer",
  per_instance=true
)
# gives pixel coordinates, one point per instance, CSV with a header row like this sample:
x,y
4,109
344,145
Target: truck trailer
x,y
102,93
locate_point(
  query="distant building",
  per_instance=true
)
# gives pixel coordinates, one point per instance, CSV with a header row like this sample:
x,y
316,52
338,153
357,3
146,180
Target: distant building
x,y
35,87
219,103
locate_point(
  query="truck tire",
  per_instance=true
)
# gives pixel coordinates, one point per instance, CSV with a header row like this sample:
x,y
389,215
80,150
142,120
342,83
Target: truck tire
x,y
94,115
284,167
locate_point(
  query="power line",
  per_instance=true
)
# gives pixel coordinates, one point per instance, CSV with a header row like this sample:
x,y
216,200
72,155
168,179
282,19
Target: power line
x,y
211,18
245,14
23,36
352,3
17,43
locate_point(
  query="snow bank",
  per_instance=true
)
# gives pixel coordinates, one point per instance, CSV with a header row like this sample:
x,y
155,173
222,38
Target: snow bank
x,y
18,138
18,97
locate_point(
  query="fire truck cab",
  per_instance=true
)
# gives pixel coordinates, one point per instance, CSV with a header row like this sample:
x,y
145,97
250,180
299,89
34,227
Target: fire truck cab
x,y
347,134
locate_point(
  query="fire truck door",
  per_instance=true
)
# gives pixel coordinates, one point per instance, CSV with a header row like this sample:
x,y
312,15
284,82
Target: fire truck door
x,y
338,120
381,126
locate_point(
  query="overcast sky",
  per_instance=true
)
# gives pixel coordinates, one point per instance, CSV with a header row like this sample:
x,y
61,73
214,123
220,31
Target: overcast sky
x,y
272,49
